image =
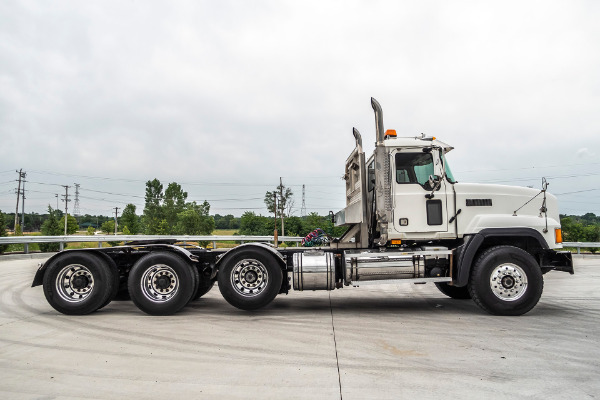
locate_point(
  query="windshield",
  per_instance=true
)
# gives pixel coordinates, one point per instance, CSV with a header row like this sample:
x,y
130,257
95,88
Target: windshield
x,y
449,175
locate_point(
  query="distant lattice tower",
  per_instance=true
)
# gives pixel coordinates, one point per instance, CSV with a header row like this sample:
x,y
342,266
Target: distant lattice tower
x,y
76,212
303,209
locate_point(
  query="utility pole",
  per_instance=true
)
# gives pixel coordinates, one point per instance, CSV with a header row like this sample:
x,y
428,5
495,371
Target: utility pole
x,y
66,200
275,210
56,195
20,172
116,222
23,204
303,208
281,204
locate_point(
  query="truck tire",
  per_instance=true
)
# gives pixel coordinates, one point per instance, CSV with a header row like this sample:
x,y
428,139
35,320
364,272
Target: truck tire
x,y
161,283
114,270
506,280
249,279
455,292
203,288
78,283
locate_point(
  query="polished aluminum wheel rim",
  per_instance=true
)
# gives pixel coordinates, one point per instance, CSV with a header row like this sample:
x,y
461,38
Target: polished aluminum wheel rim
x,y
160,283
508,282
74,283
249,277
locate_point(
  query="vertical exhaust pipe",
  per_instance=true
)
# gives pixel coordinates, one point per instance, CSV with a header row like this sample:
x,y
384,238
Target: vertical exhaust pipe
x,y
357,137
380,132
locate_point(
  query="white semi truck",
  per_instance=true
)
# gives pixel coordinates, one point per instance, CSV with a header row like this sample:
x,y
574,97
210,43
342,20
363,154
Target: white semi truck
x,y
407,220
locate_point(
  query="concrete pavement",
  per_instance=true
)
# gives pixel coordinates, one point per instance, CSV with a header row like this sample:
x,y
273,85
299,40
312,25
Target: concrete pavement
x,y
373,342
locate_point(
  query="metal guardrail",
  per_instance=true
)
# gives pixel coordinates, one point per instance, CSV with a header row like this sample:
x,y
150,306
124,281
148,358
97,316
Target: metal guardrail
x,y
579,245
27,240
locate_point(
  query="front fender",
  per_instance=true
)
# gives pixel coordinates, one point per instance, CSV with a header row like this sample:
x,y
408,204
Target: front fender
x,y
466,253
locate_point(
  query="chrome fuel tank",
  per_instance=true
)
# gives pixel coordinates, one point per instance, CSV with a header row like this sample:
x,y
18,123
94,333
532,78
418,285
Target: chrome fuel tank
x,y
373,265
314,270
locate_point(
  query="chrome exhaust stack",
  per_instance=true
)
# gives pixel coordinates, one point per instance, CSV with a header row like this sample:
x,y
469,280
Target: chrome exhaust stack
x,y
380,132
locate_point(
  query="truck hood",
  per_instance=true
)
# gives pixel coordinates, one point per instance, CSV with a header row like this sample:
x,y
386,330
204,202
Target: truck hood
x,y
503,199
493,206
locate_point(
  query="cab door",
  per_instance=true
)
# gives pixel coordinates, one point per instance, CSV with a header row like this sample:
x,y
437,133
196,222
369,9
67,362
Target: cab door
x,y
415,215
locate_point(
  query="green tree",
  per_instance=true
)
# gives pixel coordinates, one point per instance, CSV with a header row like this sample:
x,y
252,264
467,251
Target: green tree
x,y
2,232
591,233
285,200
252,224
50,227
293,226
91,230
153,212
72,225
162,227
572,230
130,219
226,222
108,227
126,230
18,230
195,220
173,204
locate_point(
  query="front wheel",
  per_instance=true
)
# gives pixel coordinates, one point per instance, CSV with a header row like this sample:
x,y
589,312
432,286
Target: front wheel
x,y
454,292
506,280
250,279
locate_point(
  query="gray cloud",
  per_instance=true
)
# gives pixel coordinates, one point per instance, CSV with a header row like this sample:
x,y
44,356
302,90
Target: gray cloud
x,y
244,92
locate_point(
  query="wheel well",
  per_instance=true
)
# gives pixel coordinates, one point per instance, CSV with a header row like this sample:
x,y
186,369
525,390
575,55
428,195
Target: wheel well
x,y
525,239
261,247
527,243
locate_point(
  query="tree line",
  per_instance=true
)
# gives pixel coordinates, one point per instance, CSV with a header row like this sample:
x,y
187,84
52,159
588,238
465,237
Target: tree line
x,y
168,212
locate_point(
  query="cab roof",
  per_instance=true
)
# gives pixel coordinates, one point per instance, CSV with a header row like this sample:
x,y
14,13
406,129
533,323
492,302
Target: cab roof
x,y
415,142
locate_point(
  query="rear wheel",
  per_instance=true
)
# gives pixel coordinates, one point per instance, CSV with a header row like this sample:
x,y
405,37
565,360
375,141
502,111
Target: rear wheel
x,y
455,292
204,287
78,283
506,280
250,279
161,283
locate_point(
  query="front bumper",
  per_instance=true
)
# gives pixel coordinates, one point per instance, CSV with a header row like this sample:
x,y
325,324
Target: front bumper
x,y
557,261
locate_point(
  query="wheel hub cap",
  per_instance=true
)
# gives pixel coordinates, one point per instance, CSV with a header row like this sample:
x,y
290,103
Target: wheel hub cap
x,y
508,282
249,277
74,283
160,283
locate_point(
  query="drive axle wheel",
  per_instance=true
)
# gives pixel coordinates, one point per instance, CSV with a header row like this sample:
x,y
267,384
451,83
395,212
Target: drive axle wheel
x,y
454,292
78,283
203,287
161,283
506,280
250,279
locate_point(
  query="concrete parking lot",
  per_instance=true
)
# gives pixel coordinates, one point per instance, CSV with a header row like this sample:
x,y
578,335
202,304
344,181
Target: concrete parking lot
x,y
373,342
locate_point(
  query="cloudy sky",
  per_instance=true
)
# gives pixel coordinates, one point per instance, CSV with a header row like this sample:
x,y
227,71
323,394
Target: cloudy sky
x,y
225,97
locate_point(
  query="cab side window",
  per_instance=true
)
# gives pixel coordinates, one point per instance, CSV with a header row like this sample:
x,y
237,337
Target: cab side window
x,y
414,168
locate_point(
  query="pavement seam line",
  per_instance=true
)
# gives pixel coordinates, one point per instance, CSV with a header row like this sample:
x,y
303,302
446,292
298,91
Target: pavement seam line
x,y
337,361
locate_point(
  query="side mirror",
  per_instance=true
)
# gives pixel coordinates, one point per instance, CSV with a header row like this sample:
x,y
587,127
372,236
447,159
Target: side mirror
x,y
434,182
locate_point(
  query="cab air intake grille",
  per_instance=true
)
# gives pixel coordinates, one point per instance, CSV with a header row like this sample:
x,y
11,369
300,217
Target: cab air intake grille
x,y
479,202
